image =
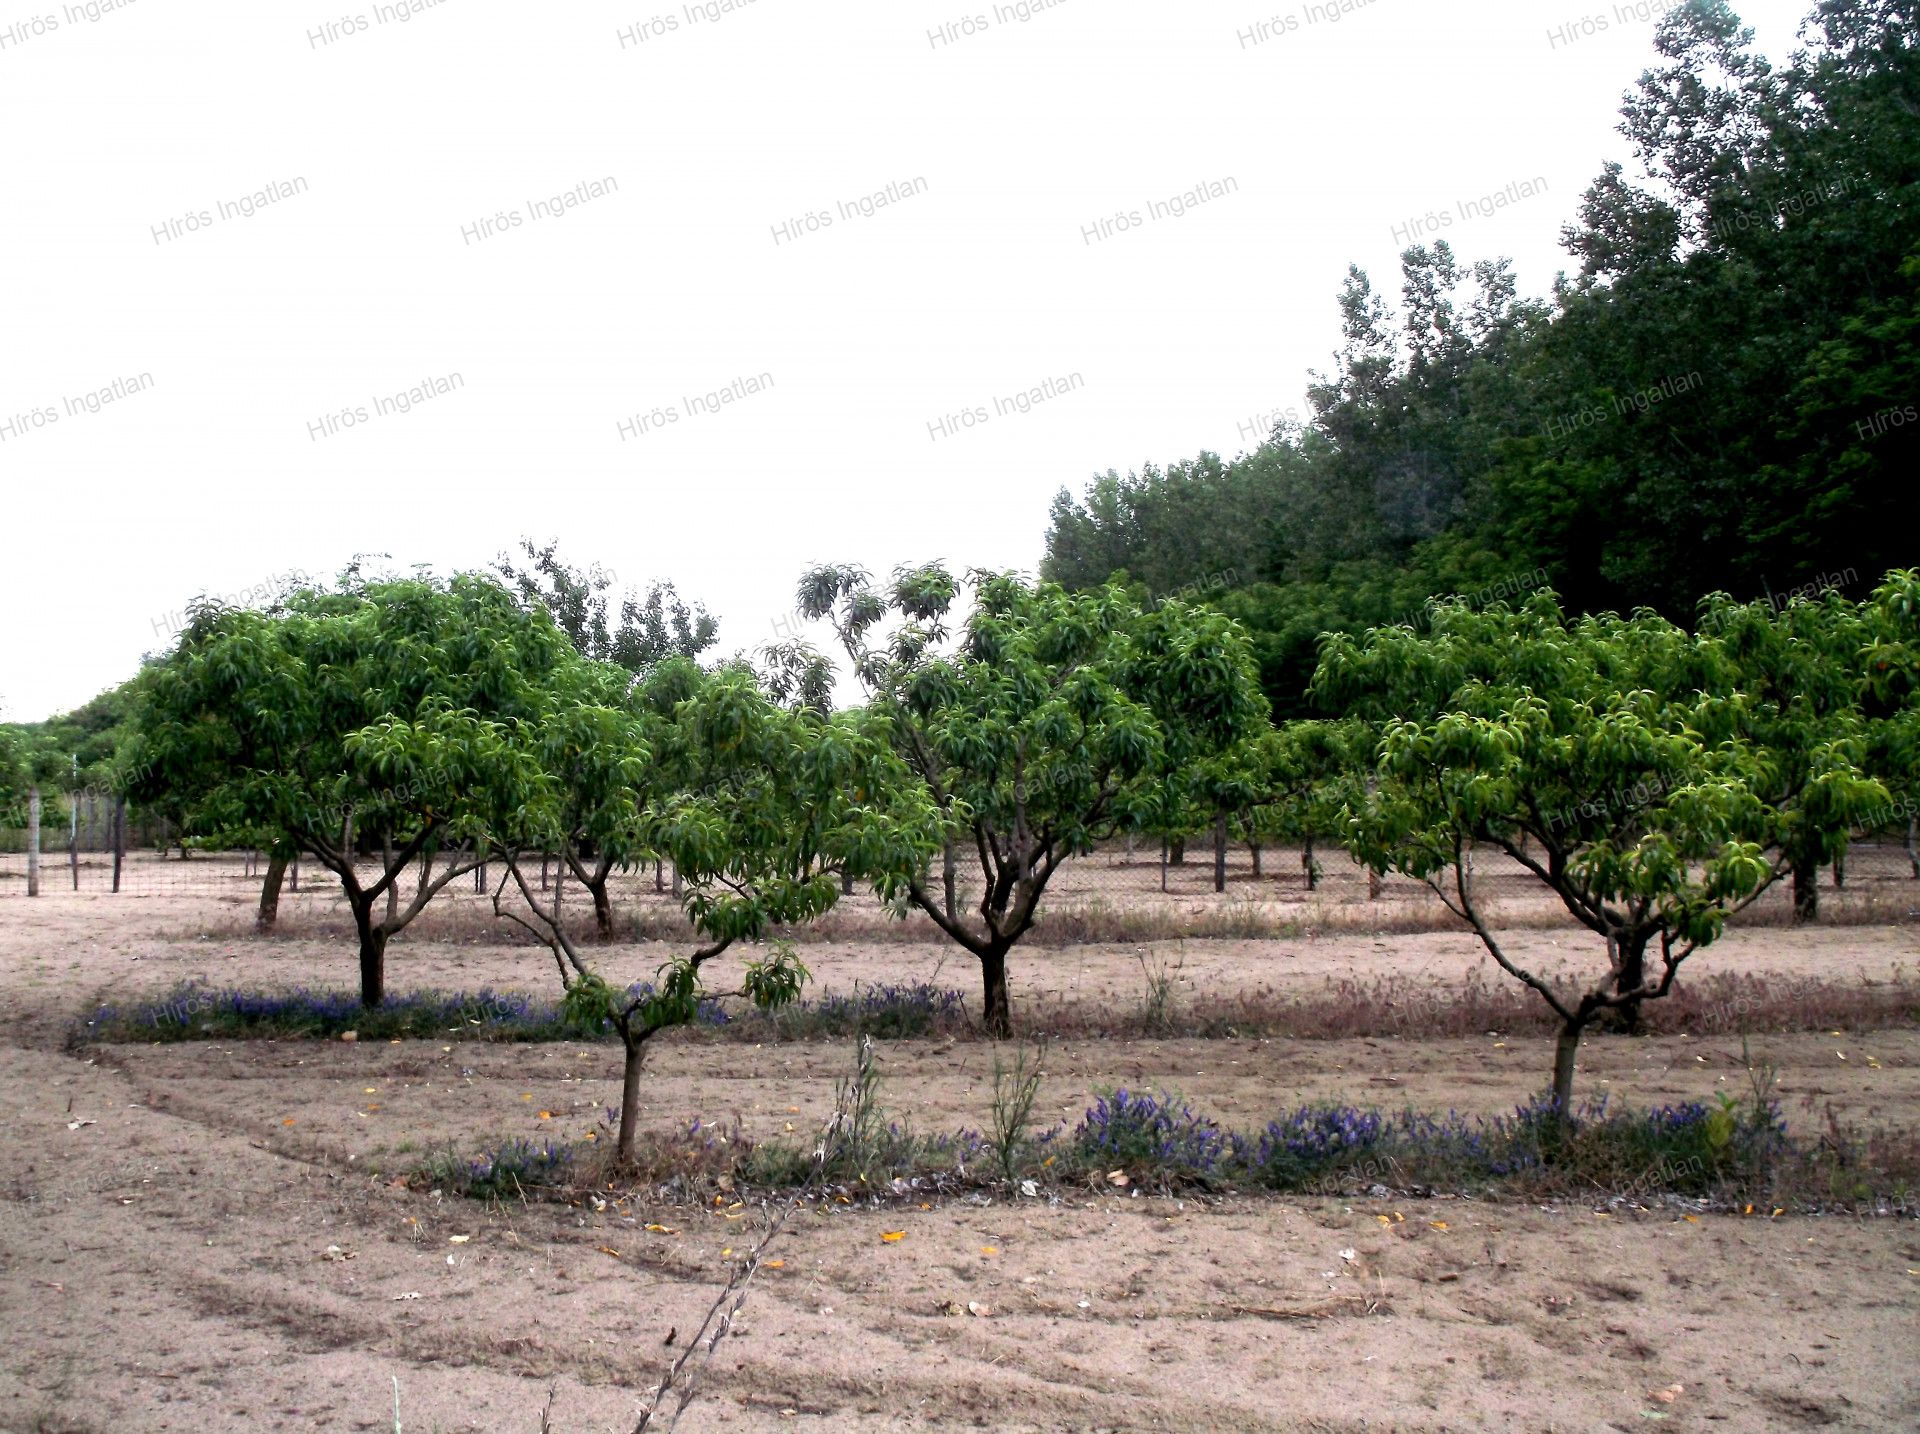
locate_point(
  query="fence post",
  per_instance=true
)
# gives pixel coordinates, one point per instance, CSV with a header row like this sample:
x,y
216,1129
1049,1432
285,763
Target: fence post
x,y
33,841
119,838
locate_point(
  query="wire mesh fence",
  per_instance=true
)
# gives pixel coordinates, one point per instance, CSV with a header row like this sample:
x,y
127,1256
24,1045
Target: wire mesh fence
x,y
1138,877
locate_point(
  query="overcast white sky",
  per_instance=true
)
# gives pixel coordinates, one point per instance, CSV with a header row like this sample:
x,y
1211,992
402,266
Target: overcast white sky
x,y
1027,133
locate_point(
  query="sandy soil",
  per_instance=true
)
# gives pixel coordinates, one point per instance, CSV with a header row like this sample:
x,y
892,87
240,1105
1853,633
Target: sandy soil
x,y
165,1266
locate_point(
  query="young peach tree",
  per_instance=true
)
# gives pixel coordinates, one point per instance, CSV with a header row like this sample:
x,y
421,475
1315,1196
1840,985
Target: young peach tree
x,y
1045,722
394,707
761,808
1516,732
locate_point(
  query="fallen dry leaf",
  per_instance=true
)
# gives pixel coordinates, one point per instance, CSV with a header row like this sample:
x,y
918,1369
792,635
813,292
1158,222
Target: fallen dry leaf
x,y
1118,1177
1669,1394
892,1237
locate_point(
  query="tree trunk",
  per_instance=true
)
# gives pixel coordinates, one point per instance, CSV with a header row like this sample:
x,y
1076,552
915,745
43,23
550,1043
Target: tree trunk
x,y
846,883
1633,963
386,865
1564,1051
630,1100
1633,975
998,1017
1177,852
373,955
1373,884
1806,892
1254,847
270,890
949,879
1840,872
1220,852
602,904
1307,861
1913,845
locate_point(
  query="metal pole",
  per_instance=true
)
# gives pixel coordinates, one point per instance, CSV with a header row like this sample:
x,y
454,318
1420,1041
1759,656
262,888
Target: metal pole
x,y
73,824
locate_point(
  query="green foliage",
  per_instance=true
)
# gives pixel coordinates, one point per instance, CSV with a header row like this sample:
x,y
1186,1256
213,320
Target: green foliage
x,y
1725,397
1049,721
642,633
397,702
1652,779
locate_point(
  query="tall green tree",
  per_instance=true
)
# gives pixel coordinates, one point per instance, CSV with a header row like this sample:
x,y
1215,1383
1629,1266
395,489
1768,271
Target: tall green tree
x,y
1793,691
1515,731
1723,397
400,706
1036,725
639,632
762,808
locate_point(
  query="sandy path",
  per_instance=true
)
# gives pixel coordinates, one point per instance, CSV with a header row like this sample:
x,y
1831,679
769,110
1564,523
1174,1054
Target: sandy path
x,y
163,1268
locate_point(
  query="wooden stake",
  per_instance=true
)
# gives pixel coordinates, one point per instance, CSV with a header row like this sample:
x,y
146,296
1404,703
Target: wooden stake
x,y
33,841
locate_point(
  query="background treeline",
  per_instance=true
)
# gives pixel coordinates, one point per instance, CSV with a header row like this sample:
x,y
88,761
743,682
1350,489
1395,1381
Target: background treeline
x,y
1724,397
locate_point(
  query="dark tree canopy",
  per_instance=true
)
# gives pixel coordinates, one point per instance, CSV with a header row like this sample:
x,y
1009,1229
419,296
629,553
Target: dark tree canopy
x,y
1723,397
637,634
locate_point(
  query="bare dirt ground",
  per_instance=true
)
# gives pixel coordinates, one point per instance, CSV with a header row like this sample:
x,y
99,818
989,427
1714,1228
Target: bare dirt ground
x,y
166,1266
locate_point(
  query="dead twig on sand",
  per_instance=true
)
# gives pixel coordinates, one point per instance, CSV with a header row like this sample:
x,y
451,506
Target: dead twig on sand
x,y
1373,1303
677,1385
